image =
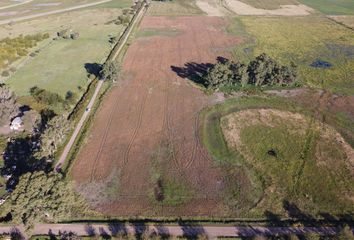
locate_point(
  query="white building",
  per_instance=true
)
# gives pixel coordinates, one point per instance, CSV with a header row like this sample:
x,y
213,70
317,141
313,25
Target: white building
x,y
16,124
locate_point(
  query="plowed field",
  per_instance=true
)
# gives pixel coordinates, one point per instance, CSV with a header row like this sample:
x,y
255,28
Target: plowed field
x,y
154,108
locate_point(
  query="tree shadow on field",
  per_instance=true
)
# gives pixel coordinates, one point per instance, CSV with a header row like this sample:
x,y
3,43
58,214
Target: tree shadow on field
x,y
197,72
273,219
93,68
193,71
295,212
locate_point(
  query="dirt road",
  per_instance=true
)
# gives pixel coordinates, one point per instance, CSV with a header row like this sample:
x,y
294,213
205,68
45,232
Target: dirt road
x,y
212,231
18,19
15,5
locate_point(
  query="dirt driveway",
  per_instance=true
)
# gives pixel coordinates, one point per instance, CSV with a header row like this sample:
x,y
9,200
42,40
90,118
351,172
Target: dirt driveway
x,y
153,107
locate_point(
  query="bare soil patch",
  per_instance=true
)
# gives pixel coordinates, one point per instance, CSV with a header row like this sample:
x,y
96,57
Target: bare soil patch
x,y
344,19
209,9
242,8
156,108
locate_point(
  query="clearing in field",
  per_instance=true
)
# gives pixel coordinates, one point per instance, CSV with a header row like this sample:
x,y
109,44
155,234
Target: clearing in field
x,y
147,128
242,8
211,8
297,164
174,8
269,4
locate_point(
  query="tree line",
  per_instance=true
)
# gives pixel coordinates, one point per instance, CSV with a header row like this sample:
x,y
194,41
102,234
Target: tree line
x,y
262,71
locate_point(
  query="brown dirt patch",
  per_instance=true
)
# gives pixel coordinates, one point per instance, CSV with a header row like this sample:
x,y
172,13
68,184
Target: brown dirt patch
x,y
157,105
210,8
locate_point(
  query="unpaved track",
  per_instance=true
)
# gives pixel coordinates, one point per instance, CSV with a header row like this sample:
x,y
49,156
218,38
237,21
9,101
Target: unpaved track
x,y
184,230
153,105
212,231
19,19
15,5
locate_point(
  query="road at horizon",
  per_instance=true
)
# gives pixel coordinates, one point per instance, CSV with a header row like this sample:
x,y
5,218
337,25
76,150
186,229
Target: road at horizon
x,y
18,19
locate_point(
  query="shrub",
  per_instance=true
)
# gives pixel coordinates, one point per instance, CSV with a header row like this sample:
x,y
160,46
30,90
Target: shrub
x,y
5,73
109,71
44,96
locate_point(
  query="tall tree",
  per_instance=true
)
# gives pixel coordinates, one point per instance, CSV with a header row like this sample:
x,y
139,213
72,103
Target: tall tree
x,y
40,196
220,75
110,71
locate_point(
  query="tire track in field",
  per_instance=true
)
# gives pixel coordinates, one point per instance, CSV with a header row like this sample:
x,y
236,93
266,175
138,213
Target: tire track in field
x,y
167,119
103,141
136,129
167,124
106,131
140,116
192,157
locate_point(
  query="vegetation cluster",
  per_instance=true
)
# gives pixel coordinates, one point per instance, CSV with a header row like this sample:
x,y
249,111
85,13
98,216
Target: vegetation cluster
x,y
262,71
11,49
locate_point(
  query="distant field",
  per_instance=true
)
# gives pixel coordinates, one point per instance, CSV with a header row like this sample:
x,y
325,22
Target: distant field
x,y
174,8
269,4
5,3
302,40
337,7
39,6
309,173
60,66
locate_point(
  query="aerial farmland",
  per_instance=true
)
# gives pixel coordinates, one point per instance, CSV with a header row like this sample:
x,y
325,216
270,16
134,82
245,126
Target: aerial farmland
x,y
189,119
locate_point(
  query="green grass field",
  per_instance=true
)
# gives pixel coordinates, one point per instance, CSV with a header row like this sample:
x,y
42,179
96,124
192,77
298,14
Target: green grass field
x,y
60,66
293,176
331,7
269,4
302,40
